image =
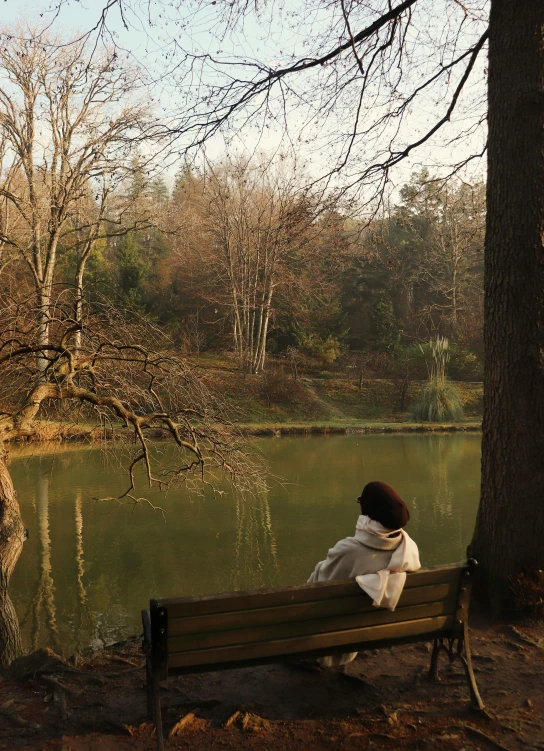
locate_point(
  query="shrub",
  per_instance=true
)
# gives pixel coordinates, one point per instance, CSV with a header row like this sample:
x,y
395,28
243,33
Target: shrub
x,y
439,400
278,390
326,350
407,365
463,365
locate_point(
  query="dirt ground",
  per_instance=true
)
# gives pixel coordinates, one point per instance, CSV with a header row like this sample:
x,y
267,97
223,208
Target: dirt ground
x,y
383,700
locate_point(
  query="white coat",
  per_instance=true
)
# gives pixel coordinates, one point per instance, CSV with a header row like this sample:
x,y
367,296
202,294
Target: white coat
x,y
372,550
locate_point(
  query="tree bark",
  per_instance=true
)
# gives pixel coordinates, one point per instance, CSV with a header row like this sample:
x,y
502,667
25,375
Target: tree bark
x,y
12,536
509,535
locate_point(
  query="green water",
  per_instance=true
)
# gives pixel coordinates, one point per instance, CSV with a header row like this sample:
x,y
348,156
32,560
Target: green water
x,y
88,568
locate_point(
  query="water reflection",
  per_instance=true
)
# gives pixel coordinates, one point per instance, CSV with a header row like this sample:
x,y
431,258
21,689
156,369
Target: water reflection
x,y
88,569
43,606
255,561
82,614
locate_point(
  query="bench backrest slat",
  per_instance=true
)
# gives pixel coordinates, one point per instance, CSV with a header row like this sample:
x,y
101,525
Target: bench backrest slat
x,y
357,603
229,601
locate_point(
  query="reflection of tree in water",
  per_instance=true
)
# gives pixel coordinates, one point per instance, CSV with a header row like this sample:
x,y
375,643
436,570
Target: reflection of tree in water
x,y
82,609
89,624
255,563
80,562
440,467
44,598
444,457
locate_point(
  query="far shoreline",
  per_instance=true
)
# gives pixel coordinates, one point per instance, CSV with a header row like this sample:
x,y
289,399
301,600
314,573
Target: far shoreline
x,y
51,436
290,429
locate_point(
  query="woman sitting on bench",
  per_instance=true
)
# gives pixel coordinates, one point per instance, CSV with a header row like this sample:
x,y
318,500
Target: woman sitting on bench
x,y
377,556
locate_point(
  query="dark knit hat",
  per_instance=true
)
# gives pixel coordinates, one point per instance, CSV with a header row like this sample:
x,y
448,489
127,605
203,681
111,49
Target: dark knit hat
x,y
382,503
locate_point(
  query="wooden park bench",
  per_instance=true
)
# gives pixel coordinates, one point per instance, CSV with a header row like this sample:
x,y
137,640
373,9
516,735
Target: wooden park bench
x,y
237,629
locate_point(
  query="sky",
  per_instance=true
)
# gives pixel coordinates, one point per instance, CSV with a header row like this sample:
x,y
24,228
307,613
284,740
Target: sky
x,y
272,37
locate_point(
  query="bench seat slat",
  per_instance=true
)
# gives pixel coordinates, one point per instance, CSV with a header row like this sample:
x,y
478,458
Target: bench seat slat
x,y
299,644
250,635
229,601
359,603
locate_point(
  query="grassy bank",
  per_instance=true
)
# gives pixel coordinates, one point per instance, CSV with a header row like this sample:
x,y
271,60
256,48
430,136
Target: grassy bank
x,y
327,399
323,402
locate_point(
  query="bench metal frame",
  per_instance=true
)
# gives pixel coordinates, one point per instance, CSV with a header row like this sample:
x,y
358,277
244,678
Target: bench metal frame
x,y
453,639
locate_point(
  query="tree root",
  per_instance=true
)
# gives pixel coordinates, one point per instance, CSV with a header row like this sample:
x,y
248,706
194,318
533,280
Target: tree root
x,y
56,685
8,710
470,729
525,639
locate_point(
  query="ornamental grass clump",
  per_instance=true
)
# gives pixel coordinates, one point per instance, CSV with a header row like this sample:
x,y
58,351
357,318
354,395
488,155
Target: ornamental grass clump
x,y
438,400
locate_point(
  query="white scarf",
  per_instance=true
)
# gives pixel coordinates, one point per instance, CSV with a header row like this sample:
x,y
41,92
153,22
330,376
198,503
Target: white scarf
x,y
385,587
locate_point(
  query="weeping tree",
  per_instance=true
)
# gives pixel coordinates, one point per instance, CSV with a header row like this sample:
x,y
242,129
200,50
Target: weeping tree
x,y
136,389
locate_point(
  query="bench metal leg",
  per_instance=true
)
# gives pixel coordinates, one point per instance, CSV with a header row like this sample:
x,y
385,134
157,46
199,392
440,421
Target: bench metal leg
x,y
149,689
157,713
152,683
454,649
467,662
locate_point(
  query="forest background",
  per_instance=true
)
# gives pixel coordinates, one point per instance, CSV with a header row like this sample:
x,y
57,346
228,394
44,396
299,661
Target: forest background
x,y
240,267
239,259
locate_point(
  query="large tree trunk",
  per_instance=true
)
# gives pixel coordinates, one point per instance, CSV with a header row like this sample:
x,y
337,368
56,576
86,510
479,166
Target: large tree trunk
x,y
12,536
509,535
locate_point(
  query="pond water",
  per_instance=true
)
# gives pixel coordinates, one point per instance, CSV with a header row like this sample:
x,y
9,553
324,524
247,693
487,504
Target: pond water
x,y
88,568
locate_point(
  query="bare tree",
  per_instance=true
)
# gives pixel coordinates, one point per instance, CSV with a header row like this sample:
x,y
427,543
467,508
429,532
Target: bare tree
x,y
139,390
69,122
255,219
359,362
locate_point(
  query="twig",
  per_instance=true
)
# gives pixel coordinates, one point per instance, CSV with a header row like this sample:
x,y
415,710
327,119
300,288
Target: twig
x,y
118,658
